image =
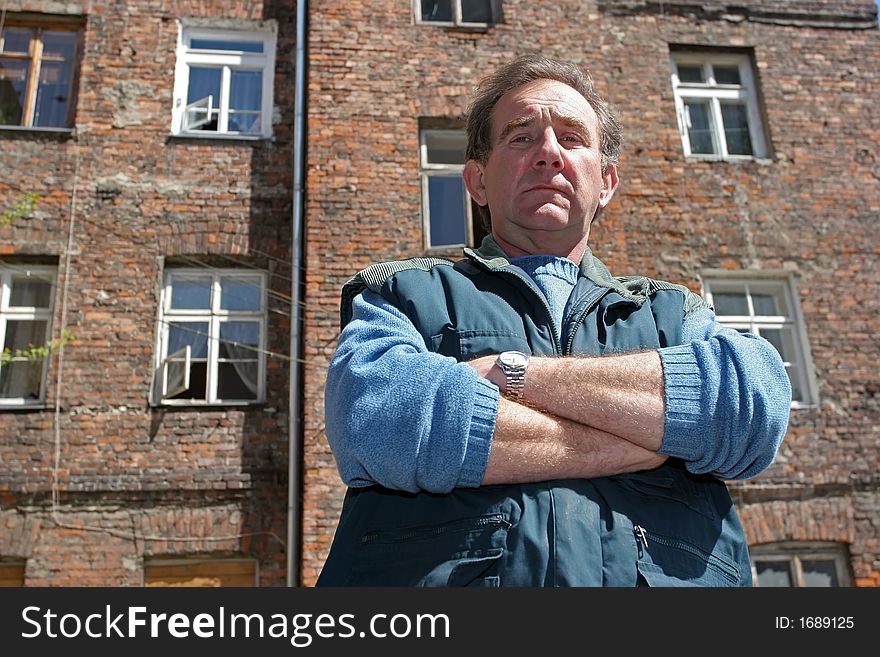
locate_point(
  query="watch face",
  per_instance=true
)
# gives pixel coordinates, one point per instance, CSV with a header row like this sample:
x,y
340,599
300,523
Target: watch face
x,y
514,359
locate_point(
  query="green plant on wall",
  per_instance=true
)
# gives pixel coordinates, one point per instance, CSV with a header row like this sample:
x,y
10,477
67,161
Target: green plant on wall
x,y
20,209
33,352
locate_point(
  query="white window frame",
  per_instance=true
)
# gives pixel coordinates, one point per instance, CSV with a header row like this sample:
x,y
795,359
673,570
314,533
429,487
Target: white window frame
x,y
26,313
745,93
457,20
226,60
770,283
429,170
214,317
794,552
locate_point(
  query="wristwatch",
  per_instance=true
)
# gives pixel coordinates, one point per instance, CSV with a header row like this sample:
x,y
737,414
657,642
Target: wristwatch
x,y
513,364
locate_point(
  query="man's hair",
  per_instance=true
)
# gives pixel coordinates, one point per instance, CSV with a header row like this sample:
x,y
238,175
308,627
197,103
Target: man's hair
x,y
517,73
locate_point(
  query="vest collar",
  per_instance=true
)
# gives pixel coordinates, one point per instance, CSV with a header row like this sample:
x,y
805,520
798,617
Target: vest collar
x,y
492,257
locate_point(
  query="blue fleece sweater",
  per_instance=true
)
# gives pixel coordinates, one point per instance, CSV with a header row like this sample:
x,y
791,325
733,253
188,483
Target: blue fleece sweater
x,y
431,429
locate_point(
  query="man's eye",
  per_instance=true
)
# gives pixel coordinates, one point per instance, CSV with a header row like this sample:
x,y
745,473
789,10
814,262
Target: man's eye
x,y
520,138
571,139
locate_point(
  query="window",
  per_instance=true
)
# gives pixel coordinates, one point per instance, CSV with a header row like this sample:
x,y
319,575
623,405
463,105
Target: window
x,y
716,101
799,564
26,295
768,307
223,83
212,335
463,13
446,205
11,574
201,572
38,66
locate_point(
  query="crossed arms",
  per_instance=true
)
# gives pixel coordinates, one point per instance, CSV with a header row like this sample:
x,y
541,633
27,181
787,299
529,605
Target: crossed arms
x,y
410,419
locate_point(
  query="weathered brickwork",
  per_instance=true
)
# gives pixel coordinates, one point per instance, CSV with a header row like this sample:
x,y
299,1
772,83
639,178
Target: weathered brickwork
x,y
809,208
136,481
119,199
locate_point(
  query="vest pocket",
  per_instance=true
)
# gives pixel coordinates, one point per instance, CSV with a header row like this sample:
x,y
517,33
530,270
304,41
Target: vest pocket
x,y
464,552
464,344
669,561
668,483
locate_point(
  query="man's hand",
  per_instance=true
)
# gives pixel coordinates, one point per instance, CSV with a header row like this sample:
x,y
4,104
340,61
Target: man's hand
x,y
485,366
617,394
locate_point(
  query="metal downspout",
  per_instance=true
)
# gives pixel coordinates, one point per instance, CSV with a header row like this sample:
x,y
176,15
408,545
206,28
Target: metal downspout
x,y
294,471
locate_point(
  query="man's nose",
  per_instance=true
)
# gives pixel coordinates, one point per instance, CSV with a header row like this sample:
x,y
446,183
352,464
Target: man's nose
x,y
549,152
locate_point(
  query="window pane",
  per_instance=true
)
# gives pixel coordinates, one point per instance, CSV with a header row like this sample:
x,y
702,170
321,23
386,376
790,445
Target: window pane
x,y
819,572
699,127
203,82
765,304
239,366
52,95
773,573
226,44
245,101
59,45
726,74
782,339
446,210
190,294
240,293
690,73
245,123
246,90
21,379
17,39
736,129
437,10
24,334
445,147
194,334
239,340
476,11
13,80
797,393
730,303
198,383
237,381
30,291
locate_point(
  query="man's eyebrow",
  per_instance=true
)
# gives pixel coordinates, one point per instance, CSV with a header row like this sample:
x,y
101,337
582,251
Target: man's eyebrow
x,y
570,120
576,122
520,122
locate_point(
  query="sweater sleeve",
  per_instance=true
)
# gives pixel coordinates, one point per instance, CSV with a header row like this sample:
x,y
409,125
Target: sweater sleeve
x,y
728,399
400,415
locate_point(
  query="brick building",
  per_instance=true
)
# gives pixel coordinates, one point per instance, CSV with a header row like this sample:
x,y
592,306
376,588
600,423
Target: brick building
x,y
771,215
149,191
146,180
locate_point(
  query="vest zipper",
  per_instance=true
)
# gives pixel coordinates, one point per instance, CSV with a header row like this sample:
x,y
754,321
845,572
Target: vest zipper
x,y
468,524
642,536
586,311
557,335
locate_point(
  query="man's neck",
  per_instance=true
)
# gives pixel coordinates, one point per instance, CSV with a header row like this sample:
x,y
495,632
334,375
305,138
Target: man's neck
x,y
526,247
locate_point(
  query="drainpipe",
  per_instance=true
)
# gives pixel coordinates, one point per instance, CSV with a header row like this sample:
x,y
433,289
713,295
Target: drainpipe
x,y
295,469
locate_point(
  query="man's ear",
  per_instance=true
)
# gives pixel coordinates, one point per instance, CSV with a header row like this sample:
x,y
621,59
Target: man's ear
x,y
473,180
609,185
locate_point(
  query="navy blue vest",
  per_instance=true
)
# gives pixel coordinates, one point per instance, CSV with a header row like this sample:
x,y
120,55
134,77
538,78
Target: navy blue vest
x,y
664,527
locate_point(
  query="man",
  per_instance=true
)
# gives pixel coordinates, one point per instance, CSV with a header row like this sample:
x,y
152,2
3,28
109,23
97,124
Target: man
x,y
522,418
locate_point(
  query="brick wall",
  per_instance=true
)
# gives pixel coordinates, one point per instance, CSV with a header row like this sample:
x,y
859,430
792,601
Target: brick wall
x,y
809,209
137,481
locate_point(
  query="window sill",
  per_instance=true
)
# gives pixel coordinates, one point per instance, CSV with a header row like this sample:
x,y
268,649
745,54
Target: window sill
x,y
462,27
730,159
34,406
185,404
43,133
203,137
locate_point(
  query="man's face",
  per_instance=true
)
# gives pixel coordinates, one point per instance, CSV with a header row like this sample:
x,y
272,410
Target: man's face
x,y
543,179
